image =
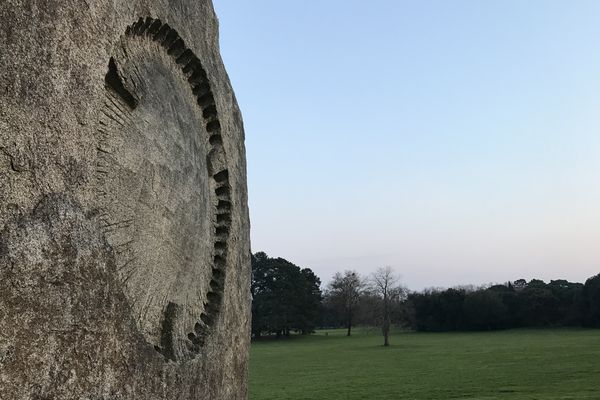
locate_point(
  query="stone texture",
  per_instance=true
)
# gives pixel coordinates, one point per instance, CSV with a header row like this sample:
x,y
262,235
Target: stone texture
x,y
124,233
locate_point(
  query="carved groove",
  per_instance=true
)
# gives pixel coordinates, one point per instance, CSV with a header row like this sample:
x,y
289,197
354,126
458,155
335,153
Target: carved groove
x,y
166,340
113,80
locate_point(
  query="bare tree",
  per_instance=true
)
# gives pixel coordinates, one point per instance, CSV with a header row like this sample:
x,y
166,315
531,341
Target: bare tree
x,y
344,291
385,284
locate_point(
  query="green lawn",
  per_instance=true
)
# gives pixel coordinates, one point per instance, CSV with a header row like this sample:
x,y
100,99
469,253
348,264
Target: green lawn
x,y
517,364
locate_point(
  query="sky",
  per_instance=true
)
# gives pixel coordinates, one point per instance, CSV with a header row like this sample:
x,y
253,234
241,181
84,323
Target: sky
x,y
455,141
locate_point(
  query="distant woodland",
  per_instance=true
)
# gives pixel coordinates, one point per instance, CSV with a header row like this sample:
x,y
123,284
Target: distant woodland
x,y
287,298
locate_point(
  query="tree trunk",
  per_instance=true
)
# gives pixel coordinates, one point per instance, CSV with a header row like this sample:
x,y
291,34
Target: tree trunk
x,y
349,323
386,336
386,321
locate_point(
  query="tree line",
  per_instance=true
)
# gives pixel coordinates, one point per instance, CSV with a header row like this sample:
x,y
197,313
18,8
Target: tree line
x,y
287,298
515,304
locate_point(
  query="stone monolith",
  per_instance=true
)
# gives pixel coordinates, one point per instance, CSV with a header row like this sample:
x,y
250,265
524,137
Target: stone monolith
x,y
124,233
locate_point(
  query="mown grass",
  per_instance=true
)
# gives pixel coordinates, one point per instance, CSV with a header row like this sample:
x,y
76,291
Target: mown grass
x,y
516,364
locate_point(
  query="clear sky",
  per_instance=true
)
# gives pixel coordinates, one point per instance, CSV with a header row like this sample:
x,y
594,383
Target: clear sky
x,y
457,141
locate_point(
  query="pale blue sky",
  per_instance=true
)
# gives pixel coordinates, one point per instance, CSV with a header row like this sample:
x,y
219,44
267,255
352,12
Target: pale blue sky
x,y
457,141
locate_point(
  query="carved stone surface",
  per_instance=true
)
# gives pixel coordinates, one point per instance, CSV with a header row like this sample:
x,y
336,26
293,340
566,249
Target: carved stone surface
x,y
124,234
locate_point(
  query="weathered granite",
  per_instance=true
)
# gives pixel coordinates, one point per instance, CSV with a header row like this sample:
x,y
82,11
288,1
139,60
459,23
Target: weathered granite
x,y
124,233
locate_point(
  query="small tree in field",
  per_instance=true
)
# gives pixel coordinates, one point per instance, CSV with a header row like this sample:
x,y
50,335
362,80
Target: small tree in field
x,y
385,284
344,292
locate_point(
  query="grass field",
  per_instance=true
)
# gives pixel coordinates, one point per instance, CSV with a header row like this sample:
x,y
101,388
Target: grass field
x,y
517,364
